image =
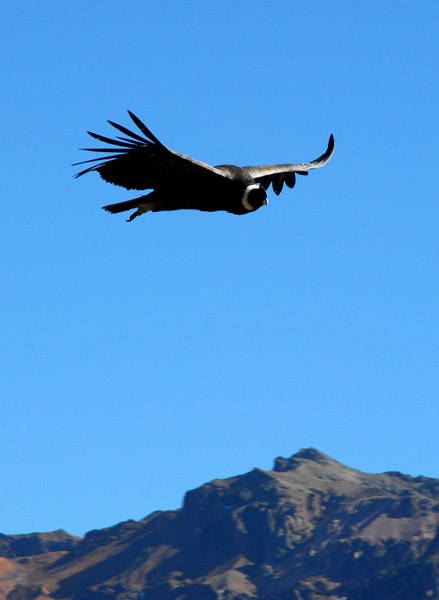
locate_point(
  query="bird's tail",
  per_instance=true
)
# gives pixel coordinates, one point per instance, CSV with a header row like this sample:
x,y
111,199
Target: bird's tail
x,y
142,205
122,206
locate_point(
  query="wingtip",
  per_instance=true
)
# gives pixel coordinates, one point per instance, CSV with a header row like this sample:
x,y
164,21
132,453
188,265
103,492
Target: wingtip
x,y
144,129
330,149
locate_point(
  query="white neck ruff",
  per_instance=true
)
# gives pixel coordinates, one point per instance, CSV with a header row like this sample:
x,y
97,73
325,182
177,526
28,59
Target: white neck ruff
x,y
245,203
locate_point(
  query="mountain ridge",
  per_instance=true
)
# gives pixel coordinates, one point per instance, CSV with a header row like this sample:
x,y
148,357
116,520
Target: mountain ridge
x,y
311,528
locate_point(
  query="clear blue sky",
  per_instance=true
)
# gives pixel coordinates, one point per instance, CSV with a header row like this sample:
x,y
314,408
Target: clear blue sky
x,y
140,360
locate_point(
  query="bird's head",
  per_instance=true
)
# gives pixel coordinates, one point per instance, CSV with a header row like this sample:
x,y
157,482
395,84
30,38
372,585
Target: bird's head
x,y
254,197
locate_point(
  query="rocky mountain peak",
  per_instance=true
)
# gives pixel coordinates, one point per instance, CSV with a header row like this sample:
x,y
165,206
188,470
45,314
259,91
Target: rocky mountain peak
x,y
305,454
310,529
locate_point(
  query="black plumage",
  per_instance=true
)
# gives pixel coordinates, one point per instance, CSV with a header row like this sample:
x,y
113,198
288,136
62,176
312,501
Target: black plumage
x,y
177,181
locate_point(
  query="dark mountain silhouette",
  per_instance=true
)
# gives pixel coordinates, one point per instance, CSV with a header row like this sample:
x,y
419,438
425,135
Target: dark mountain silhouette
x,y
310,529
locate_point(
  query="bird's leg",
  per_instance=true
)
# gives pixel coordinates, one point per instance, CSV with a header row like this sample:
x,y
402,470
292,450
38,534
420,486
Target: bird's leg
x,y
142,208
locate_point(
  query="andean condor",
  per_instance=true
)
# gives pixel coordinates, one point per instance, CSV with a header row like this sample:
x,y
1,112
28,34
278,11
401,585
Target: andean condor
x,y
179,181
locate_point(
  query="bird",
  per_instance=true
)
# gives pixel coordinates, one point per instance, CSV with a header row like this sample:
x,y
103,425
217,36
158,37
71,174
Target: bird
x,y
177,181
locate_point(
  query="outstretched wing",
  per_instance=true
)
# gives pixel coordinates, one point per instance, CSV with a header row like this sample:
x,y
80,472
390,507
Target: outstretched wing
x,y
277,175
138,162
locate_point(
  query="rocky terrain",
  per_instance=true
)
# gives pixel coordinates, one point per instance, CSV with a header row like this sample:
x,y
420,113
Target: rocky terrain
x,y
310,529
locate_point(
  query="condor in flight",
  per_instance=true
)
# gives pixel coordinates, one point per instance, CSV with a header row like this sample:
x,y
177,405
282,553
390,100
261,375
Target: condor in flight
x,y
178,181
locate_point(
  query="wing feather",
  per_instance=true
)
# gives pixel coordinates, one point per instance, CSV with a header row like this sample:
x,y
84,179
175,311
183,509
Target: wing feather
x,y
126,131
142,163
277,175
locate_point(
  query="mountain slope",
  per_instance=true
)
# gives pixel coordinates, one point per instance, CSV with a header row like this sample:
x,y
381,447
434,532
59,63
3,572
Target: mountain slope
x,y
310,529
